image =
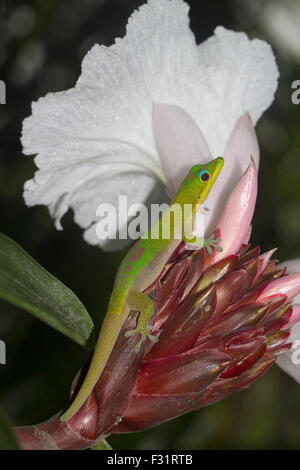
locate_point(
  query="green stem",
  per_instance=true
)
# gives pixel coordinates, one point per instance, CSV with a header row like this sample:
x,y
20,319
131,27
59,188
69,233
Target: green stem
x,y
102,445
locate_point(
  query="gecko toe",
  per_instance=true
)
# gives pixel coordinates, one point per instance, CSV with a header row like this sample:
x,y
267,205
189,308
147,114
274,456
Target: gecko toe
x,y
145,333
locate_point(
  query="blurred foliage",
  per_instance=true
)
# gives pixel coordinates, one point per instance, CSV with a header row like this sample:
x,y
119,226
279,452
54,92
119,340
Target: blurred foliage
x,y
42,43
26,284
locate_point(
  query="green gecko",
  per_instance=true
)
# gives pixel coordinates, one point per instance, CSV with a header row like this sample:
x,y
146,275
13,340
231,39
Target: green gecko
x,y
141,266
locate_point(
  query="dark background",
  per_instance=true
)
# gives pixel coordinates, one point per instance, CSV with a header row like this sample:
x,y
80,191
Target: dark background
x,y
42,44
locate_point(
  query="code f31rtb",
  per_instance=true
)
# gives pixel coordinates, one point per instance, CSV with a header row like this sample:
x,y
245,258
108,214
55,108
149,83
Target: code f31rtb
x,y
171,459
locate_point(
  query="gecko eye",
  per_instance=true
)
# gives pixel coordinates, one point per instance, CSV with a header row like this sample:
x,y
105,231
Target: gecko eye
x,y
204,176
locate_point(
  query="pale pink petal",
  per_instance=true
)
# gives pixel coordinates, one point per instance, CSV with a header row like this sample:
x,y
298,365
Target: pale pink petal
x,y
236,217
288,285
179,142
292,266
247,237
295,316
241,144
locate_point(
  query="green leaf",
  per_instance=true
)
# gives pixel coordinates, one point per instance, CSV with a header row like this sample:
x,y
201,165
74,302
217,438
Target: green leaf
x,y
7,439
102,445
24,283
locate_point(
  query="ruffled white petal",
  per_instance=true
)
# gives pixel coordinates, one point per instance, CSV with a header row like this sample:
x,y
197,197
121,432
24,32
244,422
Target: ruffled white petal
x,y
240,76
96,138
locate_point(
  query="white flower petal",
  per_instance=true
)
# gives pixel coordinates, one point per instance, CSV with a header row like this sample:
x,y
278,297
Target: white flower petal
x,y
103,126
84,201
240,76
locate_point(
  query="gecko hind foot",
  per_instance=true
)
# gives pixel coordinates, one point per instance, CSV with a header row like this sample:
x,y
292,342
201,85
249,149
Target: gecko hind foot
x,y
211,242
144,332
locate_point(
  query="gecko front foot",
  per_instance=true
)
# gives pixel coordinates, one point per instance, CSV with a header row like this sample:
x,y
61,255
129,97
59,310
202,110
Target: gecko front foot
x,y
211,242
144,332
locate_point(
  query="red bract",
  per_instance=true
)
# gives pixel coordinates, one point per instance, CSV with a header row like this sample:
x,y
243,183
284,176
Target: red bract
x,y
218,330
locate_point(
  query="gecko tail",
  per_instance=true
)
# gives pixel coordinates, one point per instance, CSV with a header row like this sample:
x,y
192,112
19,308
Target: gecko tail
x,y
79,400
106,341
92,377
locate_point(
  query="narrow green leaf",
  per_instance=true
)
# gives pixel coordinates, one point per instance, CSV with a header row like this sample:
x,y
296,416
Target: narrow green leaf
x,y
7,439
102,445
24,283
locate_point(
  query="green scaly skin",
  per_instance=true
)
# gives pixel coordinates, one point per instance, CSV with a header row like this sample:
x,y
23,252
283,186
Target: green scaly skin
x,y
142,266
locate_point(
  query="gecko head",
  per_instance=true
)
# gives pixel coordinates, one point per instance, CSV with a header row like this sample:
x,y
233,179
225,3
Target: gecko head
x,y
204,176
